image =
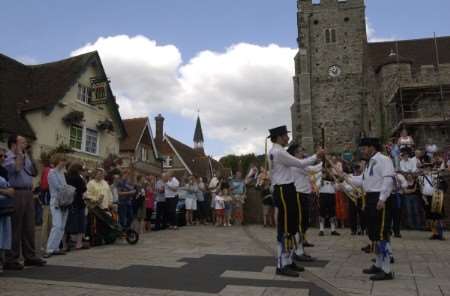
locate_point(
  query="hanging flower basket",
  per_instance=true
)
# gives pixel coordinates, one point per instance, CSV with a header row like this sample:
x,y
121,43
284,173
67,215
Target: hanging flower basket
x,y
105,125
73,117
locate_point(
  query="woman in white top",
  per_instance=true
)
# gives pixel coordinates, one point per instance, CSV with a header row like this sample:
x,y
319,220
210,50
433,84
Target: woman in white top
x,y
191,189
56,181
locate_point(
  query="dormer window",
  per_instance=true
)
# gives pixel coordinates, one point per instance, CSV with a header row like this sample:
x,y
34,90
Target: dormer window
x,y
168,162
84,93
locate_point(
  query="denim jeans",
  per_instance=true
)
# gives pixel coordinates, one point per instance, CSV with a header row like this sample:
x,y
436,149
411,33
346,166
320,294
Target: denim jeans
x,y
412,211
125,215
59,219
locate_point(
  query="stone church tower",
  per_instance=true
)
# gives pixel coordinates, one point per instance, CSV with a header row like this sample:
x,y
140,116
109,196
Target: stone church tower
x,y
329,73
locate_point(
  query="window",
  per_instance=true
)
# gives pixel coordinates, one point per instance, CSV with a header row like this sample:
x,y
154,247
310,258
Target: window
x,y
145,154
83,139
76,137
330,36
168,162
100,92
84,94
91,141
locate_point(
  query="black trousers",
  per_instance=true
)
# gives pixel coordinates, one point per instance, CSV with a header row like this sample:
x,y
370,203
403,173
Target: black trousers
x,y
171,210
356,215
396,212
327,205
304,211
378,221
161,215
285,199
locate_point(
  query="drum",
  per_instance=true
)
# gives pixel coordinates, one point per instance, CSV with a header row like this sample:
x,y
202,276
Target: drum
x,y
437,202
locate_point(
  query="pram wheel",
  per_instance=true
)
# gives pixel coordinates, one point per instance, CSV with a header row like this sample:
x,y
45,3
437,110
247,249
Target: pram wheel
x,y
132,236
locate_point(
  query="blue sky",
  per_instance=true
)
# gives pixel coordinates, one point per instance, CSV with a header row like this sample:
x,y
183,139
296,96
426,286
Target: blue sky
x,y
42,31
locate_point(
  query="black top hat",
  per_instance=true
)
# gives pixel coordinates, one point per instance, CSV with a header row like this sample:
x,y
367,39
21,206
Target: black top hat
x,y
278,131
375,142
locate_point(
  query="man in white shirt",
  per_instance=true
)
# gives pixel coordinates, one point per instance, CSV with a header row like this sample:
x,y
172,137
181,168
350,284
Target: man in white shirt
x,y
171,194
303,188
284,195
377,182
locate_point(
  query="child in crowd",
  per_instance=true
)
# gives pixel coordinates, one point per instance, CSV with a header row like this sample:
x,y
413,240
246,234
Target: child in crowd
x,y
219,206
228,200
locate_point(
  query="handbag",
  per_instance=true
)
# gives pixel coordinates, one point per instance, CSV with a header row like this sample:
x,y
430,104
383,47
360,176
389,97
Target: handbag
x,y
7,207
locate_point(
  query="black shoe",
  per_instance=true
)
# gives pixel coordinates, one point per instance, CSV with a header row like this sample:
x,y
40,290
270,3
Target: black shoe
x,y
321,233
372,270
335,233
398,235
295,267
285,271
434,237
35,262
360,232
303,258
382,276
392,260
13,266
307,244
373,260
353,233
367,249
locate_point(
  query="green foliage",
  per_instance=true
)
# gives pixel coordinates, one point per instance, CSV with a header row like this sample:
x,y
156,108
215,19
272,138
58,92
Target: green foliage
x,y
241,162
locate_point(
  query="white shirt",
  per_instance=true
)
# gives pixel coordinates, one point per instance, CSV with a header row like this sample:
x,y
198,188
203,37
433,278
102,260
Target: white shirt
x,y
408,166
302,179
425,187
377,177
281,163
219,203
171,188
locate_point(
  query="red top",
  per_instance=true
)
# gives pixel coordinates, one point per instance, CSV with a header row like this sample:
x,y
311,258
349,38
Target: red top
x,y
149,200
44,178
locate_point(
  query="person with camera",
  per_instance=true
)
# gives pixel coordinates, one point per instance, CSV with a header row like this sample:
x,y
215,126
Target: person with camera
x,y
21,170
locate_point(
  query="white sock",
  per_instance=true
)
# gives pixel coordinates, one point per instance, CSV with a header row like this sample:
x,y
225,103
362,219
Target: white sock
x,y
386,260
322,223
333,226
378,261
299,251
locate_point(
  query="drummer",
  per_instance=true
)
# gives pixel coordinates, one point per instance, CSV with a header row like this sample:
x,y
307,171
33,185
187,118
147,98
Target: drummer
x,y
432,188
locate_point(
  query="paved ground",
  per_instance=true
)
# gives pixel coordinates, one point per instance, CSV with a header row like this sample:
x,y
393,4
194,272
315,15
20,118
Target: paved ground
x,y
232,261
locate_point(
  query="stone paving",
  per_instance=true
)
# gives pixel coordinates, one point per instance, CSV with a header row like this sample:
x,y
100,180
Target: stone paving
x,y
206,260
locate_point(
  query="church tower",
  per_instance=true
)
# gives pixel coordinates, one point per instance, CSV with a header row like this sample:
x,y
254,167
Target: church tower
x,y
329,73
198,137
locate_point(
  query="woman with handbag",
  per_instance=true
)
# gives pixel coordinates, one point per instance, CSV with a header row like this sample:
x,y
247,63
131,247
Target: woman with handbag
x,y
6,208
56,182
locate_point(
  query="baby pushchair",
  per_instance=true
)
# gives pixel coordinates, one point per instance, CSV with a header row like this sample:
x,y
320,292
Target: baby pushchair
x,y
112,230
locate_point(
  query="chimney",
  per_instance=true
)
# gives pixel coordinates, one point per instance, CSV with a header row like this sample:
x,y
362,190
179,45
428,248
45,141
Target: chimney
x,y
159,128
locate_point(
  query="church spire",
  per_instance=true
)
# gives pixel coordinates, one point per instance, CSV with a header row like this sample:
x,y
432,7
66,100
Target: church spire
x,y
198,136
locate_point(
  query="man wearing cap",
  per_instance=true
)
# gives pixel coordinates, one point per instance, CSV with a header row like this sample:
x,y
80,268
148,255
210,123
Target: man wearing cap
x,y
285,201
377,182
303,191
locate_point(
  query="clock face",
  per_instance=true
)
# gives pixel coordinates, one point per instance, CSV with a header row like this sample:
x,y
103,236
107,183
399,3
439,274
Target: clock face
x,y
334,71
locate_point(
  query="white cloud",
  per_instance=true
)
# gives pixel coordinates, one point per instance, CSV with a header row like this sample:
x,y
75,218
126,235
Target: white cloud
x,y
372,35
241,92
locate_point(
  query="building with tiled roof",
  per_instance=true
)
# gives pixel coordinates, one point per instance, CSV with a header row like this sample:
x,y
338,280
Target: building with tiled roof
x,y
346,86
138,149
184,160
63,103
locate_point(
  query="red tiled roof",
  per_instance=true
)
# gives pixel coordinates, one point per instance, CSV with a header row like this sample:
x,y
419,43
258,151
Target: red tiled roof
x,y
134,128
419,51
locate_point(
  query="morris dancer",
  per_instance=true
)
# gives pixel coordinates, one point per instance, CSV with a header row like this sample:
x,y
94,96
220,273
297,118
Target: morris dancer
x,y
285,200
303,188
327,202
377,181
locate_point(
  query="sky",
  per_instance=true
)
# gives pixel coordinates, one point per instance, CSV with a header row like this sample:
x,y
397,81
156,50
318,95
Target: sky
x,y
231,60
